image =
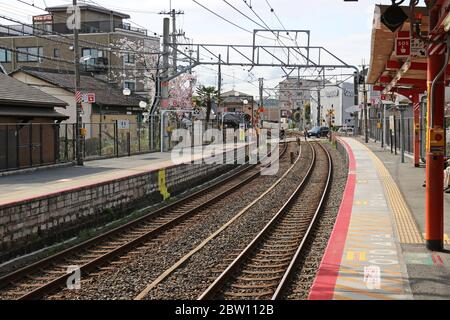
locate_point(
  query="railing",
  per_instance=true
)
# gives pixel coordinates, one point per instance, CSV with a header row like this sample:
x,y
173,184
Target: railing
x,y
392,138
34,145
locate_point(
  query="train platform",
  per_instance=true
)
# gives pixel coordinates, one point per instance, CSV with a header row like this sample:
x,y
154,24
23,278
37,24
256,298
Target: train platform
x,y
377,249
27,186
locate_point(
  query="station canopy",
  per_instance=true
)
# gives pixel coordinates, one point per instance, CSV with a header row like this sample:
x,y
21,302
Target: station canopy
x,y
398,62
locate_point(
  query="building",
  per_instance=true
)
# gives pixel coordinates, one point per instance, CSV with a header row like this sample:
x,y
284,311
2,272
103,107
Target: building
x,y
294,93
340,98
110,103
235,101
28,130
271,110
110,48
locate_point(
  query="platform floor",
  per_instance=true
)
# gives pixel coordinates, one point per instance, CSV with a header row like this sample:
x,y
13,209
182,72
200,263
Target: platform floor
x,y
31,185
377,249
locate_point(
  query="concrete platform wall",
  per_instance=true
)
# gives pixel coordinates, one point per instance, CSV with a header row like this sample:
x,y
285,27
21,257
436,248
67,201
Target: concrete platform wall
x,y
33,223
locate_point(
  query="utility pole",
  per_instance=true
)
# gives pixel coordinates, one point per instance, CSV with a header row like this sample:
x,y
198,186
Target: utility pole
x,y
261,94
319,109
164,82
366,115
79,120
173,14
219,85
174,41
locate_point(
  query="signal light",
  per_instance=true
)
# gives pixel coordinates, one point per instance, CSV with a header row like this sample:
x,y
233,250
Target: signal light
x,y
393,17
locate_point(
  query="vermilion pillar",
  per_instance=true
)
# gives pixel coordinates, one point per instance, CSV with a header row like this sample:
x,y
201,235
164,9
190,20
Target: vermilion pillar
x,y
416,106
434,205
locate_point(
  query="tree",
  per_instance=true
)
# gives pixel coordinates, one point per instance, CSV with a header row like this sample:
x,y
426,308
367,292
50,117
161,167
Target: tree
x,y
207,95
139,62
180,91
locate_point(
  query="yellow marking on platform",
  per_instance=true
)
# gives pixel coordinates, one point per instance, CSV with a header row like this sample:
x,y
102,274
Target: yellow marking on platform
x,y
361,203
338,296
356,256
367,293
363,181
405,225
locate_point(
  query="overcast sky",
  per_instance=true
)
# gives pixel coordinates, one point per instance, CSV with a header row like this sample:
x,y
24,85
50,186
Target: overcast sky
x,y
342,27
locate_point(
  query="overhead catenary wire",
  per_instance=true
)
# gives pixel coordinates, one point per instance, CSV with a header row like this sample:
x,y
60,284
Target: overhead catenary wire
x,y
230,22
96,45
65,60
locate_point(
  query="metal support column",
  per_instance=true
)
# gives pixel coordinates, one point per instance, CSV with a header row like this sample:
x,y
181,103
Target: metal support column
x,y
416,108
434,201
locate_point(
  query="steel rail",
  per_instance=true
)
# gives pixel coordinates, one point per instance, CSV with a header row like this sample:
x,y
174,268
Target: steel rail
x,y
219,283
186,257
86,268
285,280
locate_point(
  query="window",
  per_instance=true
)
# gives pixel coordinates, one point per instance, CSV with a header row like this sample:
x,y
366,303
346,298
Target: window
x,y
129,58
93,53
130,85
5,55
33,54
56,53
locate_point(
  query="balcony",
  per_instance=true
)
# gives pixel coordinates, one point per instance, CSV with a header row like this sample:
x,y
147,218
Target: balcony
x,y
96,65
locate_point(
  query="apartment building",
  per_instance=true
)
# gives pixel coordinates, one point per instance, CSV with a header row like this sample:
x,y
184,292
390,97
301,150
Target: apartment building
x,y
126,65
294,93
340,98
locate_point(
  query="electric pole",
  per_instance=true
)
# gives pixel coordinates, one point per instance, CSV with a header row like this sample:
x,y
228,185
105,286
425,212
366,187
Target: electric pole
x,y
219,85
261,93
79,119
173,14
319,108
164,82
366,116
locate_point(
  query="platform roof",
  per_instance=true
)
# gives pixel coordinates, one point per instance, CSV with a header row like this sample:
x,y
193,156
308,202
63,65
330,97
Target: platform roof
x,y
389,71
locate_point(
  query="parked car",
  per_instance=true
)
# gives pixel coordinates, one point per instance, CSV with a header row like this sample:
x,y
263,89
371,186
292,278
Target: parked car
x,y
318,132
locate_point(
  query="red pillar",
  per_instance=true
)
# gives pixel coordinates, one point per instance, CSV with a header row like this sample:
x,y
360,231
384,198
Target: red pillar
x,y
434,204
416,106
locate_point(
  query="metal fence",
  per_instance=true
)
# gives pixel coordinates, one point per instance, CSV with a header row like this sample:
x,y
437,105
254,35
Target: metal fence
x,y
393,138
33,145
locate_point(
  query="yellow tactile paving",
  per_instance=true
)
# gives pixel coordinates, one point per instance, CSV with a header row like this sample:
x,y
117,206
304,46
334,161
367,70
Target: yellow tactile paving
x,y
406,227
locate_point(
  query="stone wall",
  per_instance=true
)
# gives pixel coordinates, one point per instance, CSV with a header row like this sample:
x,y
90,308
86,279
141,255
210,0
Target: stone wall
x,y
34,223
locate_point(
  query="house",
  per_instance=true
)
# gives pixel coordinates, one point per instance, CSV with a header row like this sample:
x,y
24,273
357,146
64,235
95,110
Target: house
x,y
235,101
28,125
111,104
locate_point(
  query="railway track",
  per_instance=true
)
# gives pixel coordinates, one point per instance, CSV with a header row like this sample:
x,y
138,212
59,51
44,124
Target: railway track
x,y
263,269
208,247
50,274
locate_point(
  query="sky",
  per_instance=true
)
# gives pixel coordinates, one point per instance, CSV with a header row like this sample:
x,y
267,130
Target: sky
x,y
344,28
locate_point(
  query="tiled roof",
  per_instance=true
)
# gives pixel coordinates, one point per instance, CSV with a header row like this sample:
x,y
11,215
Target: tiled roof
x,y
106,94
15,92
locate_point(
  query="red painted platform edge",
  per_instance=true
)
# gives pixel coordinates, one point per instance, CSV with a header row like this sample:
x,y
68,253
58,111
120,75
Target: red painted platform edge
x,y
7,204
325,282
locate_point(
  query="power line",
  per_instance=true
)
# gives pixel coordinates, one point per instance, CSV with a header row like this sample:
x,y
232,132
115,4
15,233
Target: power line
x,y
66,42
225,19
66,61
98,4
99,45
